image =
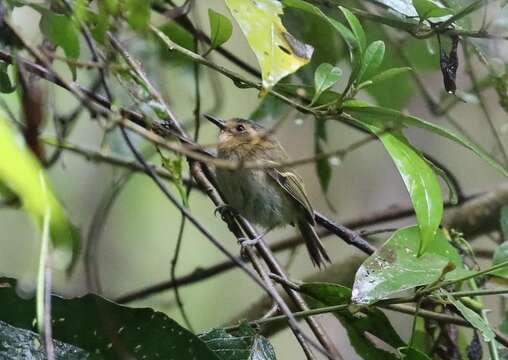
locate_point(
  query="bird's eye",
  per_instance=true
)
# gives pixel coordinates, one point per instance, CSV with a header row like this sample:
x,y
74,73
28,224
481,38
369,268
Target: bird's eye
x,y
240,128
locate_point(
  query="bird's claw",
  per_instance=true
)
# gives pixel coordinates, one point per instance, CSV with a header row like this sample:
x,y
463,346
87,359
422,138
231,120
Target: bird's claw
x,y
245,243
224,211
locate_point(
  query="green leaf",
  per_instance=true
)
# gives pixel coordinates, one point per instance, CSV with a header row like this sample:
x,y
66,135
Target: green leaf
x,y
357,28
372,60
395,267
358,325
141,332
61,31
22,174
221,28
325,77
277,51
5,82
394,117
138,14
180,36
472,317
24,344
428,9
243,344
419,177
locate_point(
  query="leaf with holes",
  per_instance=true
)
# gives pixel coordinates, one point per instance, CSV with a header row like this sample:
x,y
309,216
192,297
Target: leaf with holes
x,y
395,267
24,344
242,344
277,51
221,28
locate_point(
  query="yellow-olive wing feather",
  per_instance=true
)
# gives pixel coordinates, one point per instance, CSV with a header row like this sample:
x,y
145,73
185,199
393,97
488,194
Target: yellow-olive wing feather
x,y
293,185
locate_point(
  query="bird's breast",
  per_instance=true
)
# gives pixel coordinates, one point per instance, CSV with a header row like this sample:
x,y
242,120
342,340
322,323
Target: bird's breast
x,y
255,196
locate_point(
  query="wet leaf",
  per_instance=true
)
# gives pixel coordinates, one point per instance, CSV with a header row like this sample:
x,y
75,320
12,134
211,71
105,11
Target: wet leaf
x,y
142,332
243,344
325,77
22,174
277,51
221,28
428,9
395,267
472,317
367,321
420,179
390,116
24,344
372,60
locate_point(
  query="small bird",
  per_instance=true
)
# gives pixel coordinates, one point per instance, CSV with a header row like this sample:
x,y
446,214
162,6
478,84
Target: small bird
x,y
266,196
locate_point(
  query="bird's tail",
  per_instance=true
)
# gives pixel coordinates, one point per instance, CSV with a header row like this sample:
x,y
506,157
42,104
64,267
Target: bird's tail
x,y
315,247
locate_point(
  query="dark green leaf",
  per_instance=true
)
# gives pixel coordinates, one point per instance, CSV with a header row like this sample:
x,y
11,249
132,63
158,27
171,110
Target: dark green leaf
x,y
325,77
427,9
24,344
394,117
358,325
5,82
243,344
372,60
472,317
221,28
395,267
414,354
61,31
95,324
138,14
180,36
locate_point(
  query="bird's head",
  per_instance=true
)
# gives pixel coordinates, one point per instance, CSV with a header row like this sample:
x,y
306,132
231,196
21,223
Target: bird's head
x,y
241,133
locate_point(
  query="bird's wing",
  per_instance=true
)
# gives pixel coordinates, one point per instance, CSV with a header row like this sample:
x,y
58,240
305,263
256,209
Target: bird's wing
x,y
293,186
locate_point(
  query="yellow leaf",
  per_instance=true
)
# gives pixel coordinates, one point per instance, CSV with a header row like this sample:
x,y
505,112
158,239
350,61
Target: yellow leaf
x,y
22,175
278,52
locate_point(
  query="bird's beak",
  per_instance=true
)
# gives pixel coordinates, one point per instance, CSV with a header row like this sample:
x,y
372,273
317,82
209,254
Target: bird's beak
x,y
221,124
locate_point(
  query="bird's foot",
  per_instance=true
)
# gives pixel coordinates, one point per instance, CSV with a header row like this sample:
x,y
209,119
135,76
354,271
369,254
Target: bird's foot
x,y
246,243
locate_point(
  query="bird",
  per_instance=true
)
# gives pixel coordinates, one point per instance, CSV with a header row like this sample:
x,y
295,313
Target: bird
x,y
268,196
